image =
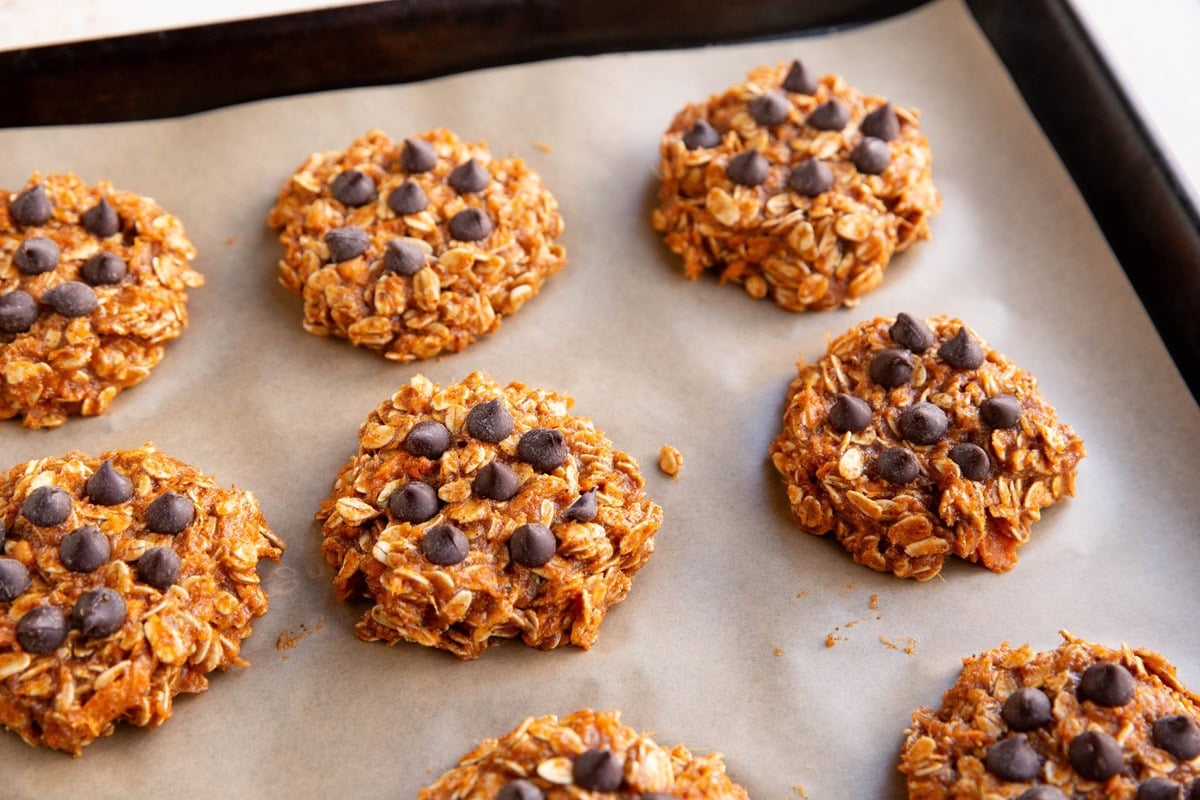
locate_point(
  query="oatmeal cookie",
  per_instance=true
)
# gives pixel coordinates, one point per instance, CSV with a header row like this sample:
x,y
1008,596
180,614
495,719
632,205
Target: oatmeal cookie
x,y
1081,722
124,580
913,440
415,248
795,187
93,282
588,754
474,513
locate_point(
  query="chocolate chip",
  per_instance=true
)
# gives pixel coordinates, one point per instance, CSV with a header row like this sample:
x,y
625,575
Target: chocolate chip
x,y
31,207
911,333
98,613
849,413
36,255
1013,759
71,299
770,108
1096,756
829,116
701,134
159,567
46,506
444,545
1026,709
923,423
972,461
470,176
881,123
811,177
597,770
891,368
1001,411
1195,793
42,630
107,487
14,579
170,513
520,790
532,545
961,352
18,312
403,258
583,509
1178,735
353,188
490,421
544,449
898,465
1159,789
748,168
408,198
101,219
1042,793
798,80
470,225
418,155
871,156
346,243
84,549
104,269
496,481
414,502
1106,684
428,438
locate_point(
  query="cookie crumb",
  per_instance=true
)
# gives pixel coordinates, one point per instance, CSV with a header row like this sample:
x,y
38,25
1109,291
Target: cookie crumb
x,y
799,790
874,603
833,639
545,148
290,637
778,651
909,647
803,593
670,461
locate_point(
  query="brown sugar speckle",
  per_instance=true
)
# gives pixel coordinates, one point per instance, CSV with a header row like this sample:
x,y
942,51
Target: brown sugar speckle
x,y
290,637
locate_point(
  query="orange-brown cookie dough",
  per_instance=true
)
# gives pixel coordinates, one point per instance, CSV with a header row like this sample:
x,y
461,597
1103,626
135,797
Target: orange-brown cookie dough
x,y
93,282
914,440
795,187
1080,722
588,754
124,580
474,513
415,248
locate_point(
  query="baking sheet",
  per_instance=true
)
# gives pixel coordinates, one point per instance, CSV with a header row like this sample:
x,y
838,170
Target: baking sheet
x,y
722,644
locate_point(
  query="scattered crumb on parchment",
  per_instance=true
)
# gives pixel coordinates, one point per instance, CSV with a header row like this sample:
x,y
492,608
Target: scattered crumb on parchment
x,y
803,593
799,790
833,638
778,652
909,645
290,637
874,604
670,461
545,148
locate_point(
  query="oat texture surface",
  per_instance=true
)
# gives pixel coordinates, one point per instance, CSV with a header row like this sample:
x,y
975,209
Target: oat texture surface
x,y
124,580
93,283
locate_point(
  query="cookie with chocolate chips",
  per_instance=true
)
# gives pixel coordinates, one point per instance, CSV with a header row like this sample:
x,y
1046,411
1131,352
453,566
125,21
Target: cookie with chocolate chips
x,y
124,580
585,755
1081,721
93,283
797,188
913,440
417,247
521,521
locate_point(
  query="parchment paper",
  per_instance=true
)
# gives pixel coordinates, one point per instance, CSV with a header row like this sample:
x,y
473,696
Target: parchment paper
x,y
722,642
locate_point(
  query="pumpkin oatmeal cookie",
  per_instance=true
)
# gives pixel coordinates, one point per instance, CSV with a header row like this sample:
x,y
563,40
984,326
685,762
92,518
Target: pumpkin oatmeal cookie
x,y
415,248
914,440
1081,722
124,580
795,187
474,513
93,282
588,754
